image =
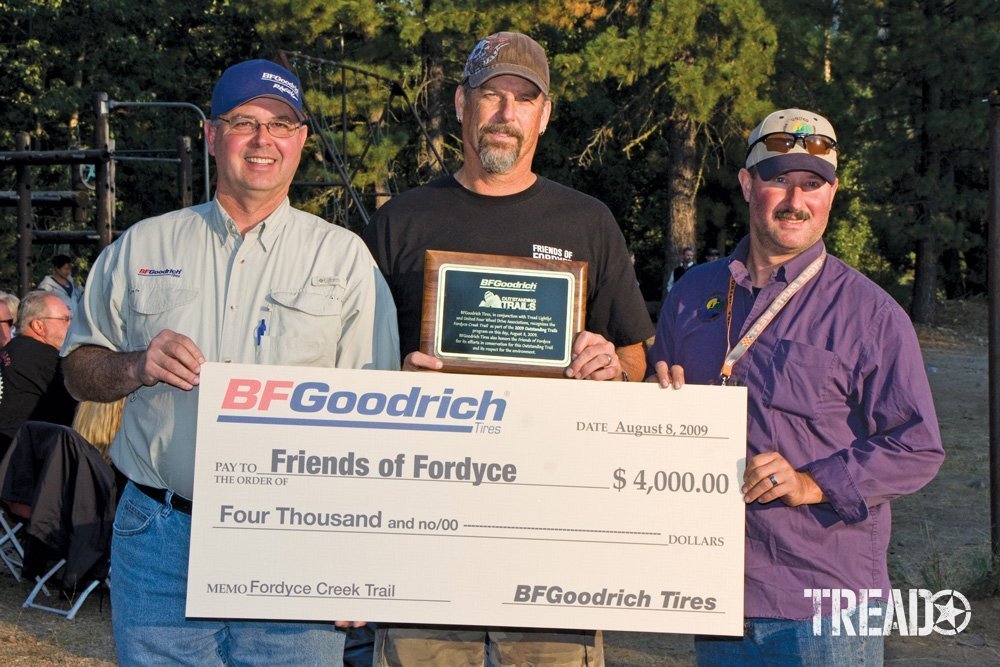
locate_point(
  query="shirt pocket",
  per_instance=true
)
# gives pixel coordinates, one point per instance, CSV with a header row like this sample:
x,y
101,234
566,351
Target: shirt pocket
x,y
305,328
155,308
800,379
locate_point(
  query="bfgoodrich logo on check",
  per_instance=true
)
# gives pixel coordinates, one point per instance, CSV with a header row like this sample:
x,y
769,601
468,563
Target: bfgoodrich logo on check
x,y
557,595
260,402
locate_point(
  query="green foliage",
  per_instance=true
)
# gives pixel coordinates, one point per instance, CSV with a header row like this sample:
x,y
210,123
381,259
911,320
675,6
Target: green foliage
x,y
851,238
58,55
902,81
661,92
920,124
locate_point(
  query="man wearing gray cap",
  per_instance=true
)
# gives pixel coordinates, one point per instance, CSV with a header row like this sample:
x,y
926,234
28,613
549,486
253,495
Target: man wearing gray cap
x,y
245,278
496,204
840,418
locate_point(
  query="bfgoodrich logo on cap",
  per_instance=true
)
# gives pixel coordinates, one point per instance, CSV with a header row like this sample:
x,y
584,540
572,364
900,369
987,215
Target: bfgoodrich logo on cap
x,y
252,79
282,83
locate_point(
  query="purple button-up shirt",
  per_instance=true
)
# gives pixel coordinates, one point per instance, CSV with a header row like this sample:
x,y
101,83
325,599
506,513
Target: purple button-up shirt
x,y
837,386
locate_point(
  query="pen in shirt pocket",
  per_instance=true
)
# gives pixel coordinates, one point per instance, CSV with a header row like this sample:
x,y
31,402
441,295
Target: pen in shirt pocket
x,y
260,331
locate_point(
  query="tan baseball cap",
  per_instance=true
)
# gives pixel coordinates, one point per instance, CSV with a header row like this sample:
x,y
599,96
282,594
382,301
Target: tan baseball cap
x,y
803,124
507,53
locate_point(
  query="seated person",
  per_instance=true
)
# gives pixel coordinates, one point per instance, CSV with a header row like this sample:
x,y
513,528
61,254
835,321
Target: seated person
x,y
31,370
8,314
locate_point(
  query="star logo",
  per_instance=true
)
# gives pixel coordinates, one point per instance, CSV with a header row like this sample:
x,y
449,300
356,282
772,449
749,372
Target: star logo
x,y
953,612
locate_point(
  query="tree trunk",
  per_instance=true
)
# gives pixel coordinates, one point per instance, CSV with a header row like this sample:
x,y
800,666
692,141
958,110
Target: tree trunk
x,y
682,186
923,306
383,186
437,105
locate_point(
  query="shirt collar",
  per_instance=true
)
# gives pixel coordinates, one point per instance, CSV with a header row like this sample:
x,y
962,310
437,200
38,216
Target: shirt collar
x,y
265,232
785,273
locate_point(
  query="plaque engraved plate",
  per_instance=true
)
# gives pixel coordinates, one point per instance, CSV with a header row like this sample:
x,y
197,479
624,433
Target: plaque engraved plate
x,y
501,315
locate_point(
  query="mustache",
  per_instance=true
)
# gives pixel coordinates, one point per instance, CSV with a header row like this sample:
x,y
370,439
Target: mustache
x,y
500,128
792,214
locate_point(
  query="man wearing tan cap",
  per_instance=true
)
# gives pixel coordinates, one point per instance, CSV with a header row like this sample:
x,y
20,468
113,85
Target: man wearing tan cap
x,y
839,418
496,204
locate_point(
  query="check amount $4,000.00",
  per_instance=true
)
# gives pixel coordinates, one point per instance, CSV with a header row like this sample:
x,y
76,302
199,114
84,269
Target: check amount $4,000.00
x,y
670,481
660,480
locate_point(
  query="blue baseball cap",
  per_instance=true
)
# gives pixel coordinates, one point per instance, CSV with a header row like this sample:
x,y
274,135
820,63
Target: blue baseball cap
x,y
251,79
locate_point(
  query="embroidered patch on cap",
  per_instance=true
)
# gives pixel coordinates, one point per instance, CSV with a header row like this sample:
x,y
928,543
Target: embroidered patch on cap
x,y
486,52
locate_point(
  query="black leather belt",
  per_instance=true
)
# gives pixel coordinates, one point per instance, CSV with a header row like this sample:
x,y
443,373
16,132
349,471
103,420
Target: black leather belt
x,y
160,496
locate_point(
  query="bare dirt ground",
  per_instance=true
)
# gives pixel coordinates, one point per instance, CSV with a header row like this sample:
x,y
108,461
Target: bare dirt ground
x,y
940,540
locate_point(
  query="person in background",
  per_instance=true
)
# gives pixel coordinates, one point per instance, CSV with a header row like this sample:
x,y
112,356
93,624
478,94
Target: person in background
x,y
60,282
711,254
840,418
30,369
687,261
99,422
8,316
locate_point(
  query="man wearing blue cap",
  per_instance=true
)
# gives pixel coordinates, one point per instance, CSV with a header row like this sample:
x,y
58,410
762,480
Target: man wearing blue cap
x,y
245,278
840,418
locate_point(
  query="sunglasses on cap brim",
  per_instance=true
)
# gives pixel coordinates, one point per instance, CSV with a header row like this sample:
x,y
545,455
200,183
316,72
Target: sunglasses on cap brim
x,y
782,142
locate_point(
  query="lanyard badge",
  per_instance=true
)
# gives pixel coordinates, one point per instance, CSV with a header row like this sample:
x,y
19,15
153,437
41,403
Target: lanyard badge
x,y
736,352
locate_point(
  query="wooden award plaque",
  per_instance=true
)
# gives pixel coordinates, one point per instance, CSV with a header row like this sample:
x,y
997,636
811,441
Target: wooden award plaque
x,y
502,315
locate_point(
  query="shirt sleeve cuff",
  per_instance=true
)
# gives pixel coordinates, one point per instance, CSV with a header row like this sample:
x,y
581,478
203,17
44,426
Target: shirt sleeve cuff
x,y
834,479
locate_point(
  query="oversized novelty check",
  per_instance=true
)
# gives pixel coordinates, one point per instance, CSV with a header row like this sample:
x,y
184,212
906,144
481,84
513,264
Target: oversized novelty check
x,y
324,494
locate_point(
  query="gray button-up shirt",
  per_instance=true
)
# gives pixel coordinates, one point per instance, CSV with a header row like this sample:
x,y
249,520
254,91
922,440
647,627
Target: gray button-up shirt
x,y
295,290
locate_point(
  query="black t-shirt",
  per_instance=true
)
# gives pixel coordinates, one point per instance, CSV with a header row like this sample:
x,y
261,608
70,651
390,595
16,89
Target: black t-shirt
x,y
33,387
547,220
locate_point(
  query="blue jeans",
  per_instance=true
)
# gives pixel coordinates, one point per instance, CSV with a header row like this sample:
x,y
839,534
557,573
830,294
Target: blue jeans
x,y
359,649
775,641
149,562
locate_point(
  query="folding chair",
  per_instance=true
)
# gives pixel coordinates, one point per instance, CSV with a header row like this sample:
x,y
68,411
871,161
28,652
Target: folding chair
x,y
61,482
76,601
11,551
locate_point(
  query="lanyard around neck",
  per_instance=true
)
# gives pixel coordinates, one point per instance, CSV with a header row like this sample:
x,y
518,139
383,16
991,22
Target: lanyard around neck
x,y
736,352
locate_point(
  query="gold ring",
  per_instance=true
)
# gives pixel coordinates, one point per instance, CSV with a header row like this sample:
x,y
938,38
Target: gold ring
x,y
610,359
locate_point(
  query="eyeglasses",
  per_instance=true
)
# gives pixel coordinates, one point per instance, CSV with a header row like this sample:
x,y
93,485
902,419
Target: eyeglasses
x,y
9,323
782,142
279,129
64,318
